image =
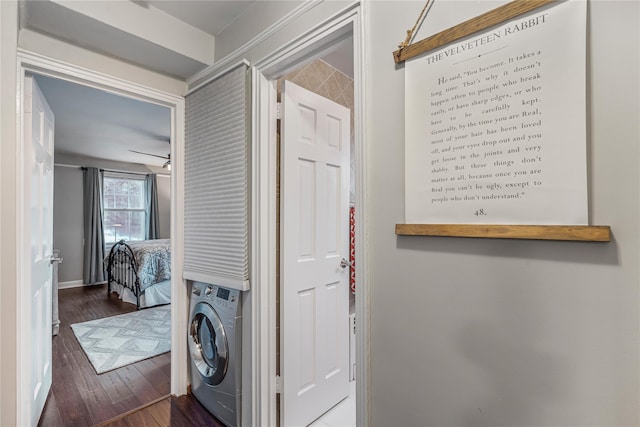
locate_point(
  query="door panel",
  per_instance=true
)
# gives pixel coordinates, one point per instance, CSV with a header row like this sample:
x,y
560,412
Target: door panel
x,y
306,354
307,209
315,237
39,143
333,206
331,345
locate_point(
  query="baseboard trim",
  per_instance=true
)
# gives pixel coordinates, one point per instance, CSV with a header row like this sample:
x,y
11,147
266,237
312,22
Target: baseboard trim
x,y
70,284
76,284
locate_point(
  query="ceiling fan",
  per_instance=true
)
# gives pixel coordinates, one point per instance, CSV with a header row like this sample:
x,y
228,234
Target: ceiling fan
x,y
166,164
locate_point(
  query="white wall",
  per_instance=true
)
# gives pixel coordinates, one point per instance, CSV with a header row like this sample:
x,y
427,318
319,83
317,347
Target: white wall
x,y
63,51
474,332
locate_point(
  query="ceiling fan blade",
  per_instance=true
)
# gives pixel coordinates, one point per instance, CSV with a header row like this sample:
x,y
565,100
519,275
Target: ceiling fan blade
x,y
149,154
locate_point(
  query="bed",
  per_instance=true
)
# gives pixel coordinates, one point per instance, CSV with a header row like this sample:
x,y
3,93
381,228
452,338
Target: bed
x,y
140,271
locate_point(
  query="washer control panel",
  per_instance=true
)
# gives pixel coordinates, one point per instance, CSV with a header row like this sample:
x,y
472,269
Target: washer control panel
x,y
221,298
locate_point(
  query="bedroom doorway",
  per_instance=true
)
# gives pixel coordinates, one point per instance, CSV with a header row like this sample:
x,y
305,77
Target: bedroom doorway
x,y
95,380
132,385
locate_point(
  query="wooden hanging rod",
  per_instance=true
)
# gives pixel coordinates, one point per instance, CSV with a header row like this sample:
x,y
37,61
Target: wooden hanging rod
x,y
585,233
473,25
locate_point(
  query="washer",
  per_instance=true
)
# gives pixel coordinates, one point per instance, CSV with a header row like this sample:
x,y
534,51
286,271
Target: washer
x,y
215,350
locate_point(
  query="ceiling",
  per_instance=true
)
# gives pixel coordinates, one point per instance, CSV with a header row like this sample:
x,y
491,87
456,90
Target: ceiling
x,y
97,124
210,16
176,38
94,123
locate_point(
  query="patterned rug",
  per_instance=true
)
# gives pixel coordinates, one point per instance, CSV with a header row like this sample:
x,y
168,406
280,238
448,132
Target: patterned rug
x,y
113,342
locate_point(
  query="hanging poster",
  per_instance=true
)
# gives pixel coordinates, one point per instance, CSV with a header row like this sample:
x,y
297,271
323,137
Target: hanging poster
x,y
495,128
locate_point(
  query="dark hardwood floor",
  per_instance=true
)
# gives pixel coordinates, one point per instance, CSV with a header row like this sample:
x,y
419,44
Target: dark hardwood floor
x,y
183,411
80,397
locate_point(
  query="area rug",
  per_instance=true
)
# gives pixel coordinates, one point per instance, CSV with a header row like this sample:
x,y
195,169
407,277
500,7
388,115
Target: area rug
x,y
113,342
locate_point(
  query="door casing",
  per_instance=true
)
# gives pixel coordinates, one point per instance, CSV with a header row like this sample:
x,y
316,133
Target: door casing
x,y
265,72
29,62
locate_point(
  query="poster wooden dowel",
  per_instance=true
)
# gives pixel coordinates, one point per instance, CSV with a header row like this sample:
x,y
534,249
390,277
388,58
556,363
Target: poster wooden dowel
x,y
479,23
585,233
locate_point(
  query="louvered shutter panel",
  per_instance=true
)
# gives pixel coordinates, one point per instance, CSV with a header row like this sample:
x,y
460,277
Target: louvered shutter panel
x,y
216,226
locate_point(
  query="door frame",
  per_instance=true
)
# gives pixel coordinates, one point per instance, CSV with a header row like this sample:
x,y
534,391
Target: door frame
x,y
29,62
264,109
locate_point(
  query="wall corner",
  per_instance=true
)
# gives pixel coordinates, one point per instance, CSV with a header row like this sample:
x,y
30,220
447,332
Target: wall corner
x,y
8,87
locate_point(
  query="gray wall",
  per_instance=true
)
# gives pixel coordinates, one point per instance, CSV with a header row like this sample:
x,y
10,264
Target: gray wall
x,y
9,233
474,332
67,210
257,18
164,206
67,221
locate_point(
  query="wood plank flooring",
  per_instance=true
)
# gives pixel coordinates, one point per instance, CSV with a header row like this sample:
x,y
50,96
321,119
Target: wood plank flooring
x,y
80,397
183,411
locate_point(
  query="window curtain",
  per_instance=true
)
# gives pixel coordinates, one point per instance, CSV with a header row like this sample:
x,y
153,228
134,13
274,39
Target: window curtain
x,y
151,207
93,263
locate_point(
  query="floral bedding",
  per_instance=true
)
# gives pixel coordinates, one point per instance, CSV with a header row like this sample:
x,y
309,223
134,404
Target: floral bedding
x,y
153,258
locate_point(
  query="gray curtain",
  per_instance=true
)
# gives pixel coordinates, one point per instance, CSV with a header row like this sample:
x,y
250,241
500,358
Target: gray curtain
x,y
93,265
152,230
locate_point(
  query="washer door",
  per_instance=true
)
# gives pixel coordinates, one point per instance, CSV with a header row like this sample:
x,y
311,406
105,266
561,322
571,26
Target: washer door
x,y
208,344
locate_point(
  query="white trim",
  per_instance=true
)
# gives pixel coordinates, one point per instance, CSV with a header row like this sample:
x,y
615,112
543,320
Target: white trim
x,y
219,71
225,281
23,398
263,252
75,284
36,63
179,295
263,248
131,176
224,63
64,165
363,304
312,44
47,66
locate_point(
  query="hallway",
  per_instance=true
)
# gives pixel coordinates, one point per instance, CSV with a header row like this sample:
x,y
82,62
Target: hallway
x,y
78,395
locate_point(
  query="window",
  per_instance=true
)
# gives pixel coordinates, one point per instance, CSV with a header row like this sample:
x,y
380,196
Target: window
x,y
124,214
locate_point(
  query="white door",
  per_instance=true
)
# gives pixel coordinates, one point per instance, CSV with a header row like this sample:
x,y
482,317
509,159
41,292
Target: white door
x,y
38,155
315,239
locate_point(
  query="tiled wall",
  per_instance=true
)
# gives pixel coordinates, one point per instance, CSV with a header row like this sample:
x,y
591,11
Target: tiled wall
x,y
324,80
319,77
